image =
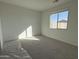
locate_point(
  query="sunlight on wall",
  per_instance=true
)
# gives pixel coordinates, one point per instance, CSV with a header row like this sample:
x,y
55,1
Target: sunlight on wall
x,y
22,35
27,34
29,31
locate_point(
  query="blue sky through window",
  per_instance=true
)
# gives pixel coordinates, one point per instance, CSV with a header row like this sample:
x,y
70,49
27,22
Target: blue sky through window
x,y
55,18
62,16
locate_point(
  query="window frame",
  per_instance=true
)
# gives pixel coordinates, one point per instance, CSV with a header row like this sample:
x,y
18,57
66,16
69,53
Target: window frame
x,y
58,17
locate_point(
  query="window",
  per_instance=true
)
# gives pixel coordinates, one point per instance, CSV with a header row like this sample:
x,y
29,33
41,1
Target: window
x,y
59,20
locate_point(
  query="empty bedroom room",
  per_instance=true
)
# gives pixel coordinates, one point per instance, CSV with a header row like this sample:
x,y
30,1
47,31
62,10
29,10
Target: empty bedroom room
x,y
38,29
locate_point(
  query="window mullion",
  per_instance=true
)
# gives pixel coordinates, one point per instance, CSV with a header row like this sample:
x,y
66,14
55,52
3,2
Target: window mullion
x,y
57,19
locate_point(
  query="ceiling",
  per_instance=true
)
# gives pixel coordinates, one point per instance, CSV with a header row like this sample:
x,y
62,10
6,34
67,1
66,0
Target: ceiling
x,y
38,5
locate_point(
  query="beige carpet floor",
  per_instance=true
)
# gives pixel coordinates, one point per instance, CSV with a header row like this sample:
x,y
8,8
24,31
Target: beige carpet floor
x,y
13,50
47,48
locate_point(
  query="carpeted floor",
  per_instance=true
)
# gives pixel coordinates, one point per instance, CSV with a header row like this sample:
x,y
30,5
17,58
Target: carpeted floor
x,y
47,48
13,50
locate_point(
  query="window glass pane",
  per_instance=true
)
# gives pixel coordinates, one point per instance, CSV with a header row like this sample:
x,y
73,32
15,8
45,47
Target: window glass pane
x,y
53,21
63,16
62,20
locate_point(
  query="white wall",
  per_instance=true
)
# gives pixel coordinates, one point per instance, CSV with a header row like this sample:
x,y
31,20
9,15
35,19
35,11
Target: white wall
x,y
16,19
1,36
69,35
